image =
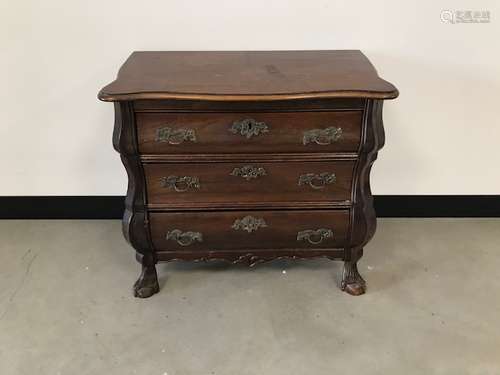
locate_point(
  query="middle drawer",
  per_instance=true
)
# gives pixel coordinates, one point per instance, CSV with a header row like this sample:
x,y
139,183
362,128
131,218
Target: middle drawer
x,y
256,182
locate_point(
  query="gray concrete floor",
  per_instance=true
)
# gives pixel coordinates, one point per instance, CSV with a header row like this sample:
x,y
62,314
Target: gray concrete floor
x,y
433,306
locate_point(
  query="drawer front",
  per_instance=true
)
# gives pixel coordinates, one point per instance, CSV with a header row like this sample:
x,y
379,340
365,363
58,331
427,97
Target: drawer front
x,y
245,230
249,182
189,133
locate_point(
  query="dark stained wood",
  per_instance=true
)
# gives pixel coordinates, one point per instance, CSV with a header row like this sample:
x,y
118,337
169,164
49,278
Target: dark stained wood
x,y
363,216
364,220
293,105
249,157
247,75
218,185
280,231
292,92
251,257
285,132
352,282
135,218
229,206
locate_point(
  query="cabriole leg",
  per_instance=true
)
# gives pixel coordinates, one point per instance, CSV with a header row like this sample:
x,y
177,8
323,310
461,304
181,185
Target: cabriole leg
x,y
147,283
352,282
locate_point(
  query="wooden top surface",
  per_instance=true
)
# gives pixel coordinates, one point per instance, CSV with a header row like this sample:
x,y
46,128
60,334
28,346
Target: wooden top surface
x,y
247,75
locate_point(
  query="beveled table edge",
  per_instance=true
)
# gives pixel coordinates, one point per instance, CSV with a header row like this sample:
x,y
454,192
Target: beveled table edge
x,y
247,97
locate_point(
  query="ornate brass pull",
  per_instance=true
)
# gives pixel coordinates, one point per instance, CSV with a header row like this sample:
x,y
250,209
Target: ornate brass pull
x,y
248,172
175,136
322,137
249,223
314,237
184,238
317,181
180,184
248,127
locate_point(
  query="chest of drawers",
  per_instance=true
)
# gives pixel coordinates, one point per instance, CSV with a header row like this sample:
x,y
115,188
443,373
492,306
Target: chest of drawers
x,y
248,156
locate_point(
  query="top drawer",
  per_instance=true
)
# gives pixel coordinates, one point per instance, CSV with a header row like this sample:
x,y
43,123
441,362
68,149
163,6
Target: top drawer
x,y
286,132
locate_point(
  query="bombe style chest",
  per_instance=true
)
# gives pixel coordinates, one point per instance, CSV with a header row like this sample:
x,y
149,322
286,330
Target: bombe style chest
x,y
248,156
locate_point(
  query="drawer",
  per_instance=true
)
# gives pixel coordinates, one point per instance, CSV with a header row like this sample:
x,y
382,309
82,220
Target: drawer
x,y
285,132
257,182
245,230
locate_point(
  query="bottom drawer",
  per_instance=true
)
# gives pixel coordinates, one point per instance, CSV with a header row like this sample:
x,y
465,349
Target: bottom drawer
x,y
245,230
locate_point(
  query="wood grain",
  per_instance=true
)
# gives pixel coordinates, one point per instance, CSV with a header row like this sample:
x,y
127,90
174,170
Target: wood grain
x,y
207,92
212,131
304,105
218,234
247,75
249,257
279,184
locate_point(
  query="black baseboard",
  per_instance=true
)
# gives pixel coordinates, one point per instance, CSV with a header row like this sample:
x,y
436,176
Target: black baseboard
x,y
111,207
62,207
437,205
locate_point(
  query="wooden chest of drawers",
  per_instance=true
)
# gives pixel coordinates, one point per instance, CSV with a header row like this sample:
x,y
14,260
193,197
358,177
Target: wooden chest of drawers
x,y
248,156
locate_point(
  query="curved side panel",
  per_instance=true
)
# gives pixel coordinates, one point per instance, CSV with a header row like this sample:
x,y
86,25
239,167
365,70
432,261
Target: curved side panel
x,y
134,224
363,217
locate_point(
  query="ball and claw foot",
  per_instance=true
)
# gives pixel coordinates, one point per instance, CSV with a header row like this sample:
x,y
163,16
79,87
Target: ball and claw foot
x,y
147,284
352,282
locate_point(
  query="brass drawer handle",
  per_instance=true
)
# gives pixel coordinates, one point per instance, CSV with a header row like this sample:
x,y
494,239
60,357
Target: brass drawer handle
x,y
248,172
180,184
248,127
175,136
184,238
322,137
314,237
249,223
317,181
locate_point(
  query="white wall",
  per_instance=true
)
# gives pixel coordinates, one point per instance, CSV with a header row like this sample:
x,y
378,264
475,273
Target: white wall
x,y
443,131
